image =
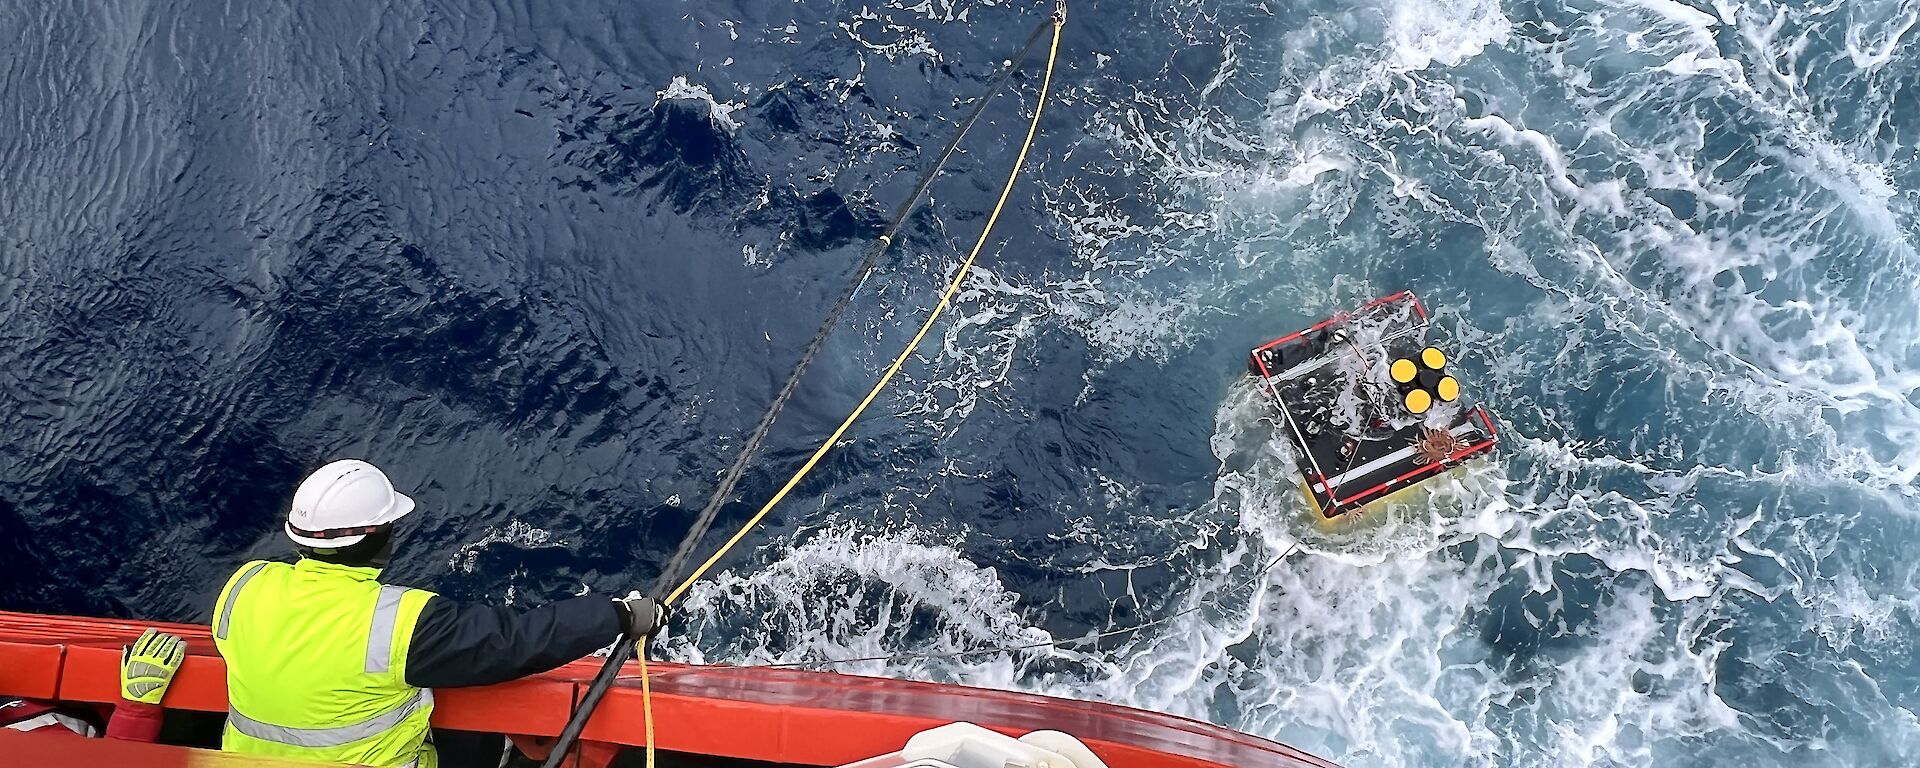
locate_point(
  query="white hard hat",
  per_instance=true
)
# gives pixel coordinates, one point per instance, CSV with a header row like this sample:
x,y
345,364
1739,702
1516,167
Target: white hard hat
x,y
340,503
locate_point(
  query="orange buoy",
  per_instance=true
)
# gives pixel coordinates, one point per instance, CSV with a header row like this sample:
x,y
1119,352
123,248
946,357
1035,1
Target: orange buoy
x,y
1418,401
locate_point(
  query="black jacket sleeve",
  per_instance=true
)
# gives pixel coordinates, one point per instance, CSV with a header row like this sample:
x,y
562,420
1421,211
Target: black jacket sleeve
x,y
457,645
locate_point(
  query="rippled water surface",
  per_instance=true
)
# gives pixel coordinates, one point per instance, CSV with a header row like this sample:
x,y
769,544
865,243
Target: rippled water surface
x,y
547,261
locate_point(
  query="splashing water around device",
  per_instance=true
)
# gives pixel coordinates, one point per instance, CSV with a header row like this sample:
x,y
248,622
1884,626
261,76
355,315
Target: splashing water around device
x,y
1678,242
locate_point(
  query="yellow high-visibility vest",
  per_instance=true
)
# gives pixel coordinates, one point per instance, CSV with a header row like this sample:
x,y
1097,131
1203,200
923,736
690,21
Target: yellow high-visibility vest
x,y
317,665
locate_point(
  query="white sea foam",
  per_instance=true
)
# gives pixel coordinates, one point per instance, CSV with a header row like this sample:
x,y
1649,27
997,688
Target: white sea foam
x,y
515,533
1726,305
854,593
720,111
1685,287
879,33
1422,33
1874,48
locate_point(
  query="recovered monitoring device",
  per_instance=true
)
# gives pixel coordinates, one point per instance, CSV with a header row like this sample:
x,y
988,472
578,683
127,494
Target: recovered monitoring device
x,y
1370,403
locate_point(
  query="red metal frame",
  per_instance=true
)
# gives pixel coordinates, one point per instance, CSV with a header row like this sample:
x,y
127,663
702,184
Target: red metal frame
x,y
1266,376
755,713
1418,308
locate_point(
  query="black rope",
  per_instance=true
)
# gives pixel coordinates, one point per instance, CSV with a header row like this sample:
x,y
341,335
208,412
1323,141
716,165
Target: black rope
x,y
670,575
623,649
583,710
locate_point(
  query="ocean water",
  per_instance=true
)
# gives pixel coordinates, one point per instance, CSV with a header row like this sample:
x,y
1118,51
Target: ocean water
x,y
545,262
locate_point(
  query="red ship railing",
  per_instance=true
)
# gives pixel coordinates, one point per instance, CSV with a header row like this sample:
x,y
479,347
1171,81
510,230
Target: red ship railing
x,y
754,713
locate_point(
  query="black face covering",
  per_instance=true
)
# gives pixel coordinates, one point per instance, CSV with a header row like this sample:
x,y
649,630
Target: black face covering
x,y
374,551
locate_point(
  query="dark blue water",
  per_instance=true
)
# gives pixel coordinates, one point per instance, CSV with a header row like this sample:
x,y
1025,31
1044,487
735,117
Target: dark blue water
x,y
546,262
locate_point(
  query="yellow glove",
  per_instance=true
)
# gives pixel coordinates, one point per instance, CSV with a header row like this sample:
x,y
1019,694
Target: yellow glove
x,y
147,667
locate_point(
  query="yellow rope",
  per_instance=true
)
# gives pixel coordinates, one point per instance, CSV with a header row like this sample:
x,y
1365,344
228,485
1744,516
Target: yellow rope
x,y
946,298
646,697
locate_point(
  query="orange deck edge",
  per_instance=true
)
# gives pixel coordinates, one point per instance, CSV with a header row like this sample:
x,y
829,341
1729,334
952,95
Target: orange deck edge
x,y
755,713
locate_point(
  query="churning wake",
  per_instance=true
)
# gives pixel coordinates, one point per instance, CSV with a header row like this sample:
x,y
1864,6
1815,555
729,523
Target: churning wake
x,y
1674,244
544,261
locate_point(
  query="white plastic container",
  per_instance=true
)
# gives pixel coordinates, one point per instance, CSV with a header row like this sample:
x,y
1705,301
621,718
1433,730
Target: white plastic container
x,y
965,745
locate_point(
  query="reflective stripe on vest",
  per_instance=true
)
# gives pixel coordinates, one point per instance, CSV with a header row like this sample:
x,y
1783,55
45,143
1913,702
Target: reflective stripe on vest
x,y
330,737
380,638
224,622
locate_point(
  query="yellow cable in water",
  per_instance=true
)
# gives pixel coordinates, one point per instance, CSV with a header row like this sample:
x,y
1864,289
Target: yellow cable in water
x,y
946,299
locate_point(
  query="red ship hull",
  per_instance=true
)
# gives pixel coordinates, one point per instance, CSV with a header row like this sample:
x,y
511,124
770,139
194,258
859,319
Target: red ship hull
x,y
755,713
